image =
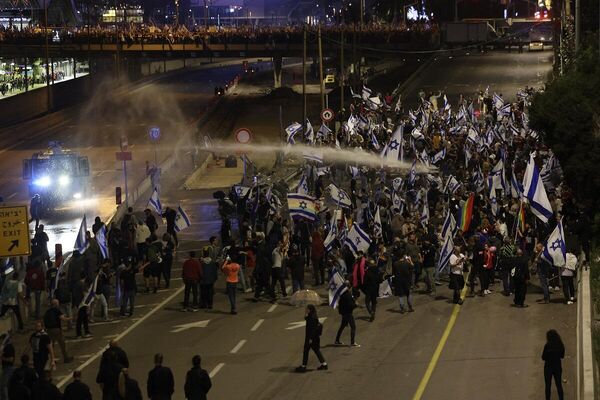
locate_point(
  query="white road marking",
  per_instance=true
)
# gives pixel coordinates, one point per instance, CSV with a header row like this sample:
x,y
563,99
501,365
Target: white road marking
x,y
125,333
272,308
300,324
257,325
11,196
238,346
196,324
216,370
78,340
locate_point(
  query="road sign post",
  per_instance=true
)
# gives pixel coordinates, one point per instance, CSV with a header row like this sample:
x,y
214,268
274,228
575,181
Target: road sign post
x,y
124,145
14,232
154,133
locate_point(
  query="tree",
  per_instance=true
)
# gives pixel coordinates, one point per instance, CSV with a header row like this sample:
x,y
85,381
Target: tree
x,y
567,115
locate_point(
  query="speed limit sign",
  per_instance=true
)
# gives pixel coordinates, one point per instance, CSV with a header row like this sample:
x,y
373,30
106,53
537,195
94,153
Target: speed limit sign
x,y
243,136
327,115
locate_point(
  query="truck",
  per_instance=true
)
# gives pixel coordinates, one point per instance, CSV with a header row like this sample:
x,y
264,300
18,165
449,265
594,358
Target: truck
x,y
466,32
58,175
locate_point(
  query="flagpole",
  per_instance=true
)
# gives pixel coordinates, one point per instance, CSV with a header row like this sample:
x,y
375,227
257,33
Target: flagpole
x,y
517,222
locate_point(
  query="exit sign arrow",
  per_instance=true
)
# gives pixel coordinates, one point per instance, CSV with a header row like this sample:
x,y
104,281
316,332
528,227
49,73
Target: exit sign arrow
x,y
183,327
14,243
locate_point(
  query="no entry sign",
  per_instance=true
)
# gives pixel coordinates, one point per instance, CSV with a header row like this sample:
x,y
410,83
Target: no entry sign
x,y
327,115
243,136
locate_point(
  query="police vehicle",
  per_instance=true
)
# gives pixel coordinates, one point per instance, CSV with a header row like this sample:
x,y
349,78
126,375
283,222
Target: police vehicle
x,y
57,175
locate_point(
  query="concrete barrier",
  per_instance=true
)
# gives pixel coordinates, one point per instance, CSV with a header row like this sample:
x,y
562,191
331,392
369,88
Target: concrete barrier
x,y
585,353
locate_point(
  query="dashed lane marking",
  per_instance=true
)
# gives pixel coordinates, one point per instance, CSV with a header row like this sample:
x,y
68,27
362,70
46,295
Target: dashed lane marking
x,y
257,325
216,370
272,308
238,346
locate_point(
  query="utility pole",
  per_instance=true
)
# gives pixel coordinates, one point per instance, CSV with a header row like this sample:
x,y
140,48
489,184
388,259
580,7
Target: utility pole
x,y
342,72
49,95
304,77
321,86
577,25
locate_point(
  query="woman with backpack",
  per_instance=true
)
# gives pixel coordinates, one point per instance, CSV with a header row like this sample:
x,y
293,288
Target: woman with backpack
x,y
312,338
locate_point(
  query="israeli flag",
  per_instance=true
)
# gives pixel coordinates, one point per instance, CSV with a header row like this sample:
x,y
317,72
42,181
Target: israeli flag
x,y
339,196
504,110
498,101
452,185
377,228
291,131
497,175
439,156
182,220
385,288
310,132
323,132
445,253
357,239
516,190
155,202
90,295
337,287
425,213
534,191
241,191
449,227
101,238
302,187
366,93
393,150
397,204
412,174
81,242
313,155
397,184
492,195
555,251
478,180
9,267
333,231
473,136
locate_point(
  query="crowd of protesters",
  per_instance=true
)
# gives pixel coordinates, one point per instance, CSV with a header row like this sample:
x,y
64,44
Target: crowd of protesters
x,y
136,34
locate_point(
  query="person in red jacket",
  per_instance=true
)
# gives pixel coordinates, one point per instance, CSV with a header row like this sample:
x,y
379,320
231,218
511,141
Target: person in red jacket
x,y
191,273
35,280
317,255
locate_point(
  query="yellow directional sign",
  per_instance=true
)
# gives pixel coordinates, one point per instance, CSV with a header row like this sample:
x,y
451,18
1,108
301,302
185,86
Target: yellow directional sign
x,y
14,232
330,79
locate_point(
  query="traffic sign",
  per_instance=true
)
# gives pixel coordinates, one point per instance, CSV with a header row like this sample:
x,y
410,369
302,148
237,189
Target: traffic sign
x,y
154,133
124,143
327,115
123,156
243,136
14,232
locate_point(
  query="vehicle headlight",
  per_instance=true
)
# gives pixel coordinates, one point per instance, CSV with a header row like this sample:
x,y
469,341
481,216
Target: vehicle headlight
x,y
64,180
44,181
77,196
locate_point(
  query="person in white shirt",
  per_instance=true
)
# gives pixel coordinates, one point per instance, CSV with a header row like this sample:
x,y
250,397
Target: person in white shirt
x,y
277,273
567,274
457,280
142,232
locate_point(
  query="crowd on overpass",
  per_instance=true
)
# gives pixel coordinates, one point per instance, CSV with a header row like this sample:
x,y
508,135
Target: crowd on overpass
x,y
151,34
480,200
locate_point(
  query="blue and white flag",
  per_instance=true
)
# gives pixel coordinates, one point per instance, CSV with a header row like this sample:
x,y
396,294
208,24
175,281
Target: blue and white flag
x,y
492,195
452,185
534,191
412,174
155,202
337,286
478,180
313,154
516,190
397,204
357,239
182,220
241,191
397,184
445,253
81,242
90,294
449,226
498,101
393,150
374,141
9,267
309,135
301,205
333,230
439,156
425,213
377,228
385,288
339,196
366,93
101,238
504,110
323,132
291,131
302,187
555,251
498,176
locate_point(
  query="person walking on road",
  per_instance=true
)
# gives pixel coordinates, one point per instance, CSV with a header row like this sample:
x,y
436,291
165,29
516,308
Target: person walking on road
x,y
402,268
296,265
197,381
373,277
191,273
312,339
231,270
53,319
346,307
457,279
77,390
36,208
554,352
41,347
161,384
520,275
209,277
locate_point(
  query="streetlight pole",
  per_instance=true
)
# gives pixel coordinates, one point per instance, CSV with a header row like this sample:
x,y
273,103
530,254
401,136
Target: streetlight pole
x,y
304,77
321,70
577,25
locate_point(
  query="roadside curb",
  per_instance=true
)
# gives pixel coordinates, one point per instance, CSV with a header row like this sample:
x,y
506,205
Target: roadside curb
x,y
408,81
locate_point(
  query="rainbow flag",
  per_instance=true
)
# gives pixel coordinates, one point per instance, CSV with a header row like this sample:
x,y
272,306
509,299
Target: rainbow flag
x,y
466,213
521,218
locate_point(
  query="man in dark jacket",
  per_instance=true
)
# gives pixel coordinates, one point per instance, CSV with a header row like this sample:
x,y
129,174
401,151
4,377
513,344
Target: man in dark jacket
x,y
209,277
296,265
346,306
262,271
44,389
77,390
197,381
161,384
520,278
370,287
